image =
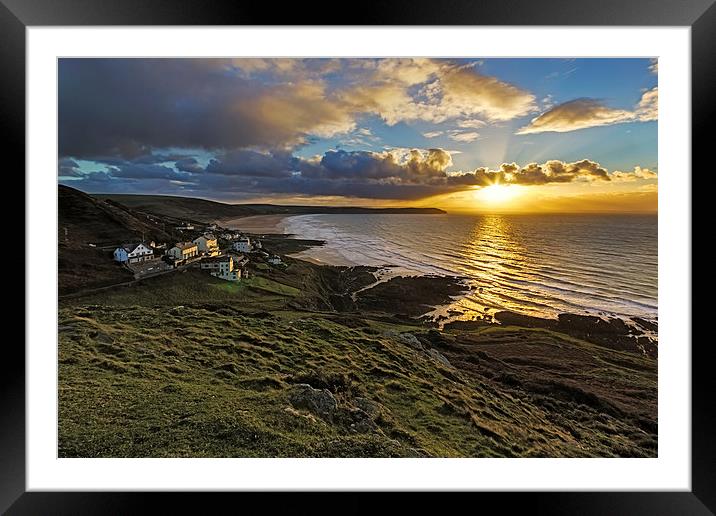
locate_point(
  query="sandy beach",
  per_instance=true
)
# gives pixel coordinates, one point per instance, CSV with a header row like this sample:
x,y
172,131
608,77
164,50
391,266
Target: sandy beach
x,y
256,224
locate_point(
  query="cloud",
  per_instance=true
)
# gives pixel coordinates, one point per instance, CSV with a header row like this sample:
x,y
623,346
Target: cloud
x,y
190,165
397,173
132,107
249,163
469,93
553,171
654,65
648,107
585,112
636,174
67,167
132,170
432,134
575,114
128,107
464,136
471,124
445,91
395,166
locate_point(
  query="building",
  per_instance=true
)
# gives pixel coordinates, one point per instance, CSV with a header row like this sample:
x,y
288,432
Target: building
x,y
274,260
207,244
183,251
243,245
186,226
239,259
133,253
221,267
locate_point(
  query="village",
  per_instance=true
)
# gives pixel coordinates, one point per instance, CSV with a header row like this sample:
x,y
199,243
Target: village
x,y
230,256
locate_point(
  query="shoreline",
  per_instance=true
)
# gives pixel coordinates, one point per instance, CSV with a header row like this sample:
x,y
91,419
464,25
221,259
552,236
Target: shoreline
x,y
257,224
276,225
442,314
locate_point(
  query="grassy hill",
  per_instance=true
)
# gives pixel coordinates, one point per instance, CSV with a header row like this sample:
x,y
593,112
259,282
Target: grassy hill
x,y
198,367
202,210
85,220
216,382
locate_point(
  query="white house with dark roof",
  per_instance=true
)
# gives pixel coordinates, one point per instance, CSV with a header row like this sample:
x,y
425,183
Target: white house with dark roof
x,y
133,253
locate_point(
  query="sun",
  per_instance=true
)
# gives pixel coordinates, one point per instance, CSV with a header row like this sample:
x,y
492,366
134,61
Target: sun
x,y
497,194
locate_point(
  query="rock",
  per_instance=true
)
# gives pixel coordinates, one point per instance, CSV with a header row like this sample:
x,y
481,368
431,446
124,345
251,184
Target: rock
x,y
370,407
434,353
410,340
362,422
467,325
508,318
319,401
647,325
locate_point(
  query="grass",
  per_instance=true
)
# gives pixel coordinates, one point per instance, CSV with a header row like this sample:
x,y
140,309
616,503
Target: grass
x,y
167,382
271,286
193,287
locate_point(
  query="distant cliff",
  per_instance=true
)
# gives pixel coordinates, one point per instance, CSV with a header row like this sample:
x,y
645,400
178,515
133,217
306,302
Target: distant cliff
x,y
202,210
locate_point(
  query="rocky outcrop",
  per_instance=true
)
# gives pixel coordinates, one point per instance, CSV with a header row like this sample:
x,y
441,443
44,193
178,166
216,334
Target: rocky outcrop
x,y
320,402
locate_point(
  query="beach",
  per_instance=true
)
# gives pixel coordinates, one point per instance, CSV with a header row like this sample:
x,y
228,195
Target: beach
x,y
276,224
255,224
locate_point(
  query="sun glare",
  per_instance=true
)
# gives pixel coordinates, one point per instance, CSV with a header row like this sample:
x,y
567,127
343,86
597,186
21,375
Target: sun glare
x,y
497,194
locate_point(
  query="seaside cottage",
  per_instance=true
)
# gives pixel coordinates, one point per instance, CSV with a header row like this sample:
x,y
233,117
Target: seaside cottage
x,y
207,244
221,267
133,253
183,251
274,260
243,245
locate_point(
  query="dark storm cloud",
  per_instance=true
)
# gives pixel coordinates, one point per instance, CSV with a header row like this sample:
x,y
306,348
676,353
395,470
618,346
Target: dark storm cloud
x,y
394,174
67,167
190,165
127,107
140,171
245,162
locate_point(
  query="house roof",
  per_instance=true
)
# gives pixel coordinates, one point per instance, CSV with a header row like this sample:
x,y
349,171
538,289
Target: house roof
x,y
185,245
131,247
212,259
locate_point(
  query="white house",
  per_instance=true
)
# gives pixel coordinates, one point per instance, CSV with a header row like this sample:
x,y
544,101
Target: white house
x,y
274,260
221,267
207,244
243,245
183,251
133,253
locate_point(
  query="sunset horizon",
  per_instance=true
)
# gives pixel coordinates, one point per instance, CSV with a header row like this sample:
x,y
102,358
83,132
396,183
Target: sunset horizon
x,y
463,135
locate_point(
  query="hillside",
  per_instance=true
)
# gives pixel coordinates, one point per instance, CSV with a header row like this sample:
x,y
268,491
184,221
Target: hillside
x,y
85,220
190,366
213,381
202,210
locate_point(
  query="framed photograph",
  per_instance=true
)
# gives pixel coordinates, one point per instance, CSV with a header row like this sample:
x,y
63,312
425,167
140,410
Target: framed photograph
x,y
434,251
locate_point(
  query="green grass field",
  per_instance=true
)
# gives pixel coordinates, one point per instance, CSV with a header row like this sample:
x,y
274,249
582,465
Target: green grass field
x,y
167,381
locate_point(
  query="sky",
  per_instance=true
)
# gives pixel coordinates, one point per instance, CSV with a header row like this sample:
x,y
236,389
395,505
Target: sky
x,y
483,135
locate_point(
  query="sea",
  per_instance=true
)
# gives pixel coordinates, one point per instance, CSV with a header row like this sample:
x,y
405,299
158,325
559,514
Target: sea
x,y
539,265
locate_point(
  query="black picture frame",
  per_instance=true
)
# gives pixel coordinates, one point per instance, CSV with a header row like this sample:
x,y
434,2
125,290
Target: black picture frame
x,y
17,15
